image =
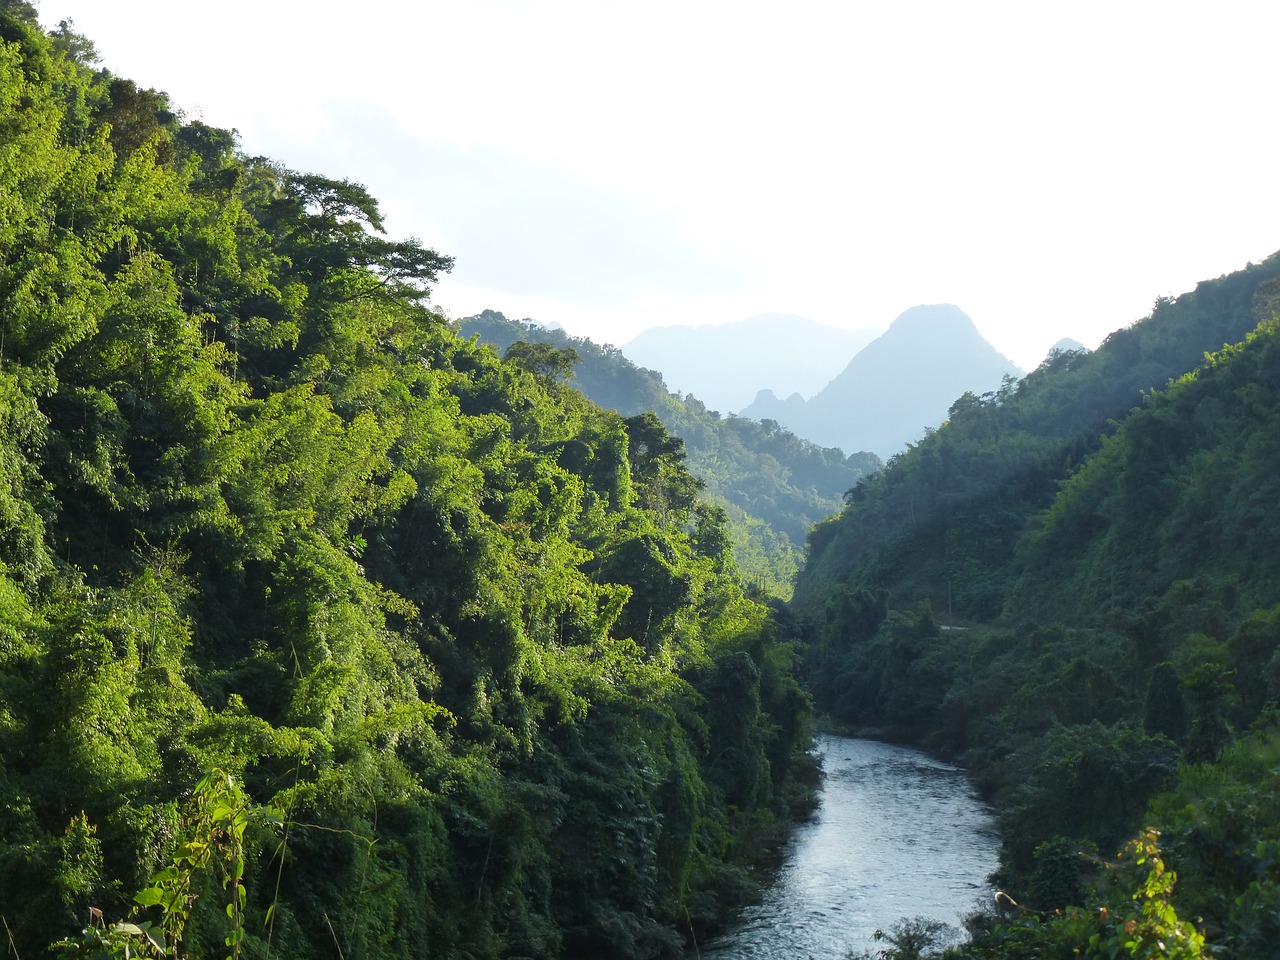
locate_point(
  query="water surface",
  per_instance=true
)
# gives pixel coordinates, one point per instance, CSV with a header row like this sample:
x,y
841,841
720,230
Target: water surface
x,y
898,834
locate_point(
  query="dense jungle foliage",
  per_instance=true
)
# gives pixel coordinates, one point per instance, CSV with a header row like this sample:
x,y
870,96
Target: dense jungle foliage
x,y
1073,584
773,485
322,630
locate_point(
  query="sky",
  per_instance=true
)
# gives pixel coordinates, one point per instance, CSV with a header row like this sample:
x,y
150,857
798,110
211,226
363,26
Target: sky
x,y
1052,168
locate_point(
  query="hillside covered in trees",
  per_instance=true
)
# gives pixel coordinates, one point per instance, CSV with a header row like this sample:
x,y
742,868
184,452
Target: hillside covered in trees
x,y
325,631
773,485
1072,584
322,630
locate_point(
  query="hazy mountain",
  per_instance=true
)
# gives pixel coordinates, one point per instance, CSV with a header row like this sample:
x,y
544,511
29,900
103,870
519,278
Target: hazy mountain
x,y
1065,345
897,386
773,484
725,366
1106,530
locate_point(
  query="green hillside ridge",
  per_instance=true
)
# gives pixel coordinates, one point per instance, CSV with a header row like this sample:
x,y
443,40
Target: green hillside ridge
x,y
325,631
773,485
1071,584
940,522
322,630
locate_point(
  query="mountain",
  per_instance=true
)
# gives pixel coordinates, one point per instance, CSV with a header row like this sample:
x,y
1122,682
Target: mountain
x,y
773,485
895,388
1073,583
726,365
324,631
1065,345
1000,458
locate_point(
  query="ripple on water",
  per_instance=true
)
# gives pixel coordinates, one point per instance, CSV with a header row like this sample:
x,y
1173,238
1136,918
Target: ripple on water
x,y
897,834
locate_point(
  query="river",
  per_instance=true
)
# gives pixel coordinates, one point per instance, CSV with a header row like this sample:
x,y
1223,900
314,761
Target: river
x,y
898,834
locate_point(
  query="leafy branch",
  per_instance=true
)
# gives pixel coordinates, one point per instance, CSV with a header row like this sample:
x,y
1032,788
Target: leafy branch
x,y
219,815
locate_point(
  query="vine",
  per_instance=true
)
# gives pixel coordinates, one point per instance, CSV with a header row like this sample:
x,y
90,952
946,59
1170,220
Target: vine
x,y
219,813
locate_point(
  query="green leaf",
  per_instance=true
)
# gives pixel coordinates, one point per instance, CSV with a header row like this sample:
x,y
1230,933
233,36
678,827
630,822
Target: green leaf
x,y
149,896
155,935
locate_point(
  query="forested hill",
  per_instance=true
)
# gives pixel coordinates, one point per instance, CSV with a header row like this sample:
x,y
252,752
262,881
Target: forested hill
x,y
773,485
940,522
322,630
1073,584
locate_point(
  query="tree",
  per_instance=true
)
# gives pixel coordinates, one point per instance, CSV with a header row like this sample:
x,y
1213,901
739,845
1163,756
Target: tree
x,y
543,360
657,469
74,45
261,510
20,9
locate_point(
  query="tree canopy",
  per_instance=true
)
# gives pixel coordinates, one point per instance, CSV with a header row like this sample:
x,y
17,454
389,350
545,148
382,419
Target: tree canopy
x,y
1071,584
322,628
772,485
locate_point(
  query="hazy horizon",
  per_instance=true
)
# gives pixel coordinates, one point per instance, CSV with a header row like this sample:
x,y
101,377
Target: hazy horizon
x,y
1052,170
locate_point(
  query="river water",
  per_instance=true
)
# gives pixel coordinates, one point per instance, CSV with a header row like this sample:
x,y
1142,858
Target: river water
x,y
898,834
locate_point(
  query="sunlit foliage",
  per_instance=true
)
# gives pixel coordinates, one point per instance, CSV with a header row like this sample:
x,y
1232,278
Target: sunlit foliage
x,y
477,640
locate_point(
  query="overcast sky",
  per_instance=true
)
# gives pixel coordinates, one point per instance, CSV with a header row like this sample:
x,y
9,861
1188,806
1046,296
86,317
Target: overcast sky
x,y
1052,168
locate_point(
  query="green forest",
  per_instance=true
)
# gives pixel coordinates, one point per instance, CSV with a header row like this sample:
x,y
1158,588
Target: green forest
x,y
772,485
331,626
324,631
1073,585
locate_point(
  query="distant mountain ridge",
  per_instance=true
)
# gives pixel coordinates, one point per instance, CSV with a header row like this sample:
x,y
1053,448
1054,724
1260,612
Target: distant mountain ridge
x,y
774,485
896,387
1105,531
726,365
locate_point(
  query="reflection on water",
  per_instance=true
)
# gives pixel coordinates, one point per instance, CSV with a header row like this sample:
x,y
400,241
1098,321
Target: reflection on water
x,y
898,834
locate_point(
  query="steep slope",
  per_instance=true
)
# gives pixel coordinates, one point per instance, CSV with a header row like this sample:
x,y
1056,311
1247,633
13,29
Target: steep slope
x,y
602,373
941,521
726,365
1179,500
323,631
774,485
897,387
1122,541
